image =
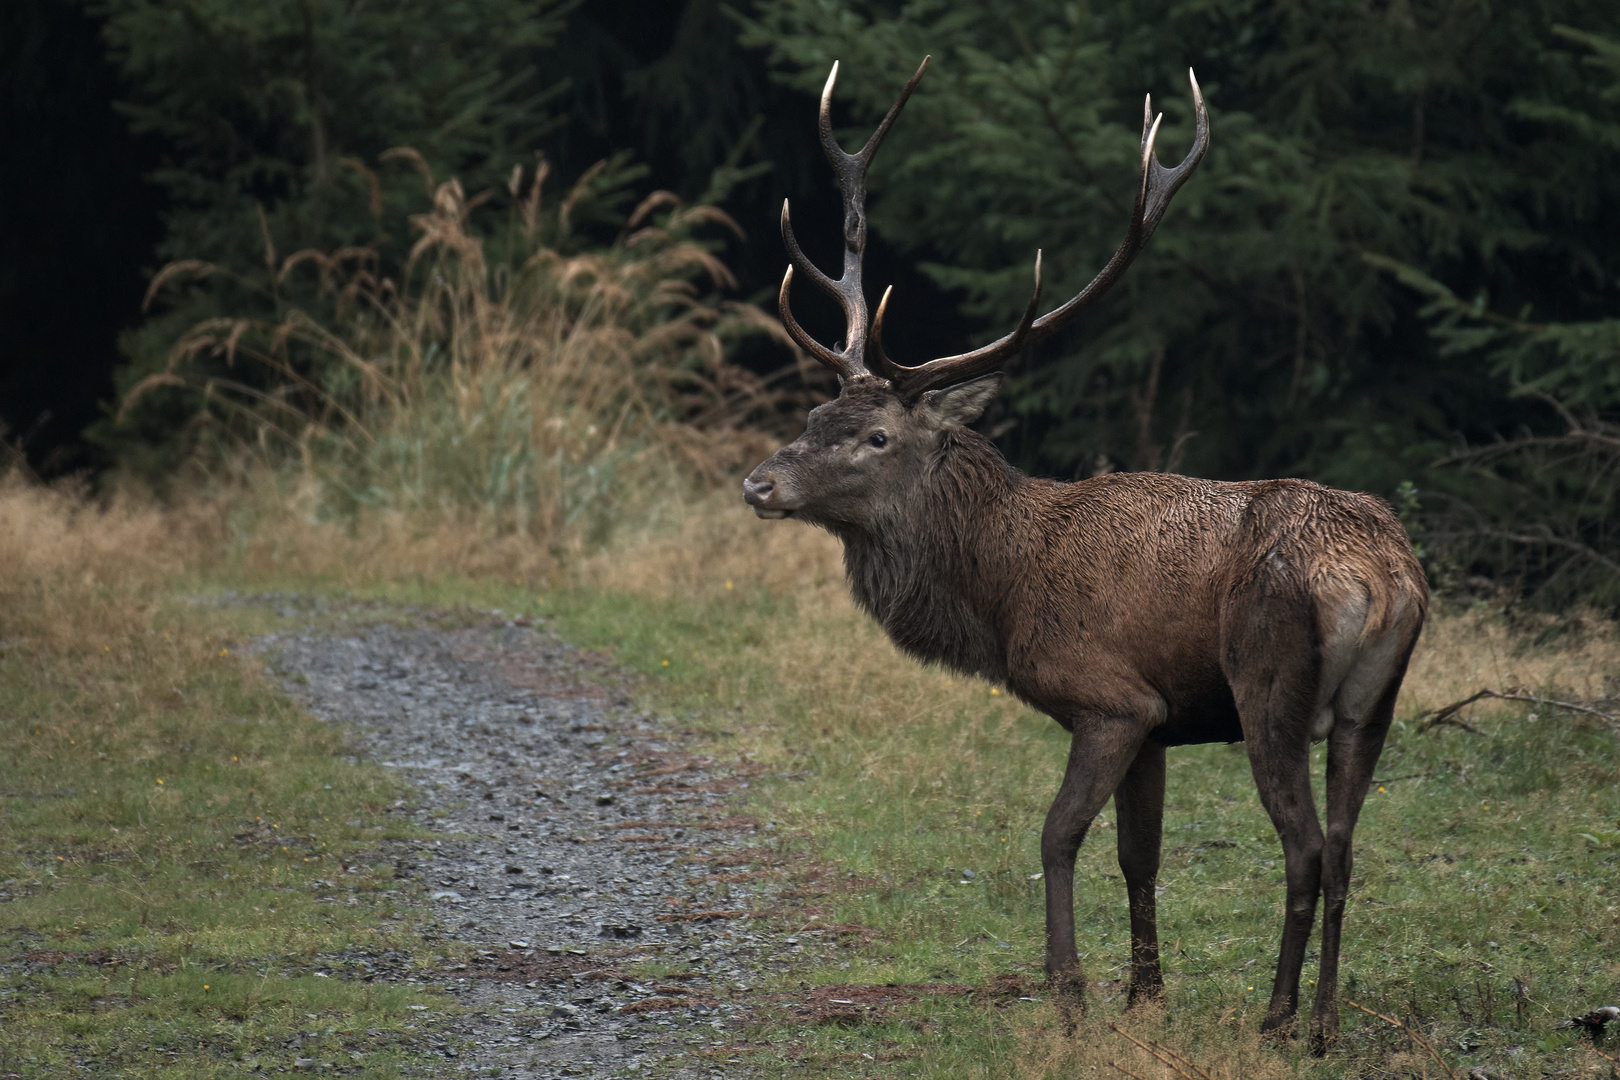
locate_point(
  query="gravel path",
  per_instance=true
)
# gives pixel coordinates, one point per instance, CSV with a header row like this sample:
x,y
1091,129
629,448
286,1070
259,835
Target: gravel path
x,y
581,842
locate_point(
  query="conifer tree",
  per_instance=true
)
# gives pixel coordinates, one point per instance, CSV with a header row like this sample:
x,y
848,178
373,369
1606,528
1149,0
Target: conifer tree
x,y
1536,507
1250,338
273,116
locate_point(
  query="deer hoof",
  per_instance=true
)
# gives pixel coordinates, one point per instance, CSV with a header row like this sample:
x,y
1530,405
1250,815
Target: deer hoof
x,y
1145,993
1324,1033
1067,990
1279,1027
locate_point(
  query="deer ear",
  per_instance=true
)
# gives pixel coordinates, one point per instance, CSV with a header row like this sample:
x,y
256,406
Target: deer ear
x,y
960,405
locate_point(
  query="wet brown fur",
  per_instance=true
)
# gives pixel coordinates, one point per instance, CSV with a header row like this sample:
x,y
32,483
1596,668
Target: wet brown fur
x,y
1140,611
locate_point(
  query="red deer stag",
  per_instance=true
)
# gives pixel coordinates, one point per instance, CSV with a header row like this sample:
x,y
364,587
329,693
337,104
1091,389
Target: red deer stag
x,y
1138,610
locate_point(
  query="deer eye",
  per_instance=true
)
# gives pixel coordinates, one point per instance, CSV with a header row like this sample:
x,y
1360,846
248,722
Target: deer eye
x,y
878,439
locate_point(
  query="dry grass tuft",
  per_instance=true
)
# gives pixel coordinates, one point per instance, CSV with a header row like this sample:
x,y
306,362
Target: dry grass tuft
x,y
279,532
508,386
696,547
1462,653
77,578
1104,1046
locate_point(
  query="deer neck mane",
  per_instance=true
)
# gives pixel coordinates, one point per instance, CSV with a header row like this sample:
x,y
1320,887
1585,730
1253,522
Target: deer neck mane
x,y
933,571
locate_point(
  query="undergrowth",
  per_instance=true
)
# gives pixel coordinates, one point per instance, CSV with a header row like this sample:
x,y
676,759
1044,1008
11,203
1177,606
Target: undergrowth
x,y
513,380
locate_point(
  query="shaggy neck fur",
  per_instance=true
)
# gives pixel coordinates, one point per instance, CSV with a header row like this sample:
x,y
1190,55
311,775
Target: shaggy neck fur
x,y
930,570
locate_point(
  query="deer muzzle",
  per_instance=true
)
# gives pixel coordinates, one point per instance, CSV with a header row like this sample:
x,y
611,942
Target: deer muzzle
x,y
764,496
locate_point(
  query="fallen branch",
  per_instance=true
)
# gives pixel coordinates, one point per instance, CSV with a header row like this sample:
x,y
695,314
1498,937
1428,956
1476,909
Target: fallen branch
x,y
1601,1016
702,916
1410,1034
1447,715
1164,1054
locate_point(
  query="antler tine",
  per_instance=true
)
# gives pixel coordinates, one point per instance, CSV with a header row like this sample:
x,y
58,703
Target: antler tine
x,y
1157,186
802,261
874,341
850,170
1154,191
875,140
1164,183
953,369
809,344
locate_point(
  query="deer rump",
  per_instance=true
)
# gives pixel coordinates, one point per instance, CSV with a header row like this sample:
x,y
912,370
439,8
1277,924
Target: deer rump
x,y
1139,610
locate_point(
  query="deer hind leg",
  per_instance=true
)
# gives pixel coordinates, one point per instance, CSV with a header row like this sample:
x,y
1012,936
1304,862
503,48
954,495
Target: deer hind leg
x,y
1282,772
1099,755
1363,708
1139,807
1273,672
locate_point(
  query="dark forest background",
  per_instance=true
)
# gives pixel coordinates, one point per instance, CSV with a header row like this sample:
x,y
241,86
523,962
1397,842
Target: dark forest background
x,y
1396,271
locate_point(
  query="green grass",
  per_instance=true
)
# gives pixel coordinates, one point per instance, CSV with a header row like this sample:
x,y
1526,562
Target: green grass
x,y
165,929
194,869
1485,862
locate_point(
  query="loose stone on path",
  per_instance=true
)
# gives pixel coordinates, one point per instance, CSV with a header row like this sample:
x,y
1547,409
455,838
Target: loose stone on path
x,y
577,843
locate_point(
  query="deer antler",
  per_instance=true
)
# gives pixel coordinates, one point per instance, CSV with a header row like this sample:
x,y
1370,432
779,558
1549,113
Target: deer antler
x,y
1153,195
850,169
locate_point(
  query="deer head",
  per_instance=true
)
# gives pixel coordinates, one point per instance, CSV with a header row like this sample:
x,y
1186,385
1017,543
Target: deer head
x,y
854,458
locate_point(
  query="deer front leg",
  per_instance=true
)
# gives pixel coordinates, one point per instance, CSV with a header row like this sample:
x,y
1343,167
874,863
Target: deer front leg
x,y
1098,758
1139,813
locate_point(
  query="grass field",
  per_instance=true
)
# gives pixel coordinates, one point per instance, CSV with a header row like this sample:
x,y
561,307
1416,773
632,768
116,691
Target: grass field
x,y
1486,905
187,860
170,825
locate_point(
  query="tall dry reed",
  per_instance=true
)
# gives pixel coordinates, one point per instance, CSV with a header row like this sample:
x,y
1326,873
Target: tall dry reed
x,y
499,385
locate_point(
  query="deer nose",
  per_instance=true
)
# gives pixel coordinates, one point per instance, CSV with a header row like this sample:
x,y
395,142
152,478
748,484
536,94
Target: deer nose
x,y
755,492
